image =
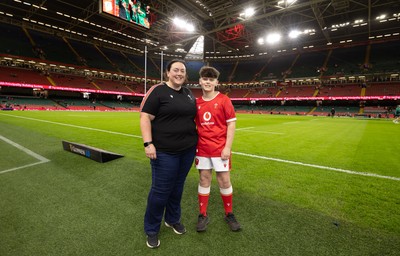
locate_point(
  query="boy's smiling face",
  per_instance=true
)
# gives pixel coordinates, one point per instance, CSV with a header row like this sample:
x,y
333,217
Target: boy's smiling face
x,y
208,83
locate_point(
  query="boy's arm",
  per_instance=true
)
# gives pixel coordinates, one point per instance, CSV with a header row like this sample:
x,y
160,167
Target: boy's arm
x,y
226,152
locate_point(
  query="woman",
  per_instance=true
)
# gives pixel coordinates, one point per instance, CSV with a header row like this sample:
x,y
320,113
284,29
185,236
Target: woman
x,y
169,134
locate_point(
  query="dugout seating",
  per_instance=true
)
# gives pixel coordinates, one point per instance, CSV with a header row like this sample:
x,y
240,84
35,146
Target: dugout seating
x,y
119,105
339,110
29,103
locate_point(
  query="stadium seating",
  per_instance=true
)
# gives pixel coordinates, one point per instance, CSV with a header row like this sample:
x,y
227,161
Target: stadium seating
x,y
277,67
340,90
22,75
298,91
307,65
15,42
383,88
385,57
66,80
92,56
240,78
246,70
346,61
54,48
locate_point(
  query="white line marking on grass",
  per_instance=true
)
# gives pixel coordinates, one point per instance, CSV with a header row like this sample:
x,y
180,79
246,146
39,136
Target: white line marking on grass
x,y
261,132
41,159
245,128
295,122
78,116
237,153
319,166
75,126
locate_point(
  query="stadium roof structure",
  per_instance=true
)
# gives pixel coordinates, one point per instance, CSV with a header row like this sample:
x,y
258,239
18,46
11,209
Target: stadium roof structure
x,y
226,31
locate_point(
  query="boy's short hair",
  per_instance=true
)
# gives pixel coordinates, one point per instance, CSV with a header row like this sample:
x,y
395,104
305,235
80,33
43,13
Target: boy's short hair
x,y
208,71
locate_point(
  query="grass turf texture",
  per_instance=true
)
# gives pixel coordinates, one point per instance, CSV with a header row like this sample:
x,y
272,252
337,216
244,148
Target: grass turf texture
x,y
76,206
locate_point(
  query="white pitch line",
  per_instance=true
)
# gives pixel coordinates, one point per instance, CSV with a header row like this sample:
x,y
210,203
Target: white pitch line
x,y
319,166
279,133
295,122
27,151
75,126
21,167
237,153
244,128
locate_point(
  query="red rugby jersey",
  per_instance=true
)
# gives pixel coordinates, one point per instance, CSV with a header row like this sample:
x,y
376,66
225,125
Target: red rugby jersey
x,y
211,120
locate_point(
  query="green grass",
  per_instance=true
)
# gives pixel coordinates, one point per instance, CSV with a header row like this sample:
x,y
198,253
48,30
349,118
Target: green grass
x,y
76,206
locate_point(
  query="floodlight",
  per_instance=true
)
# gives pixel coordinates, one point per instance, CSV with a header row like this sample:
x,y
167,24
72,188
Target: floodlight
x,y
249,12
178,21
294,33
273,38
381,17
190,27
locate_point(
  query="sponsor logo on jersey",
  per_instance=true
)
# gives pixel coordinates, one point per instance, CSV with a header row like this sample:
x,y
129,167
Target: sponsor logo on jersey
x,y
207,116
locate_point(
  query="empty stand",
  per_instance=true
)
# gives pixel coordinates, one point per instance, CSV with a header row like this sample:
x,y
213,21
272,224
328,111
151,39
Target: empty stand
x,y
333,90
54,48
383,88
346,61
277,67
246,70
92,56
15,42
385,57
307,65
66,80
20,75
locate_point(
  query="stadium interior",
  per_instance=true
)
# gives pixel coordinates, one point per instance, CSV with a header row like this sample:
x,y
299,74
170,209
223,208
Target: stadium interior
x,y
58,55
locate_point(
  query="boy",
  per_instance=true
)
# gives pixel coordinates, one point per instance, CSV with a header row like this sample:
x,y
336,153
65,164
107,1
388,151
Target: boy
x,y
216,122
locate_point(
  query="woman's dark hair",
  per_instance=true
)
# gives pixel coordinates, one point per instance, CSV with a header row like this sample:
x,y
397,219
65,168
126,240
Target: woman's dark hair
x,y
173,61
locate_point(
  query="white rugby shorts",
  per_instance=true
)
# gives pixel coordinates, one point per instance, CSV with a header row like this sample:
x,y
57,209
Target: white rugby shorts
x,y
216,163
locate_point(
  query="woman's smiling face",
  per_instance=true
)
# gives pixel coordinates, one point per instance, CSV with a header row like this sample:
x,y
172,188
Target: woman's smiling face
x,y
177,74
